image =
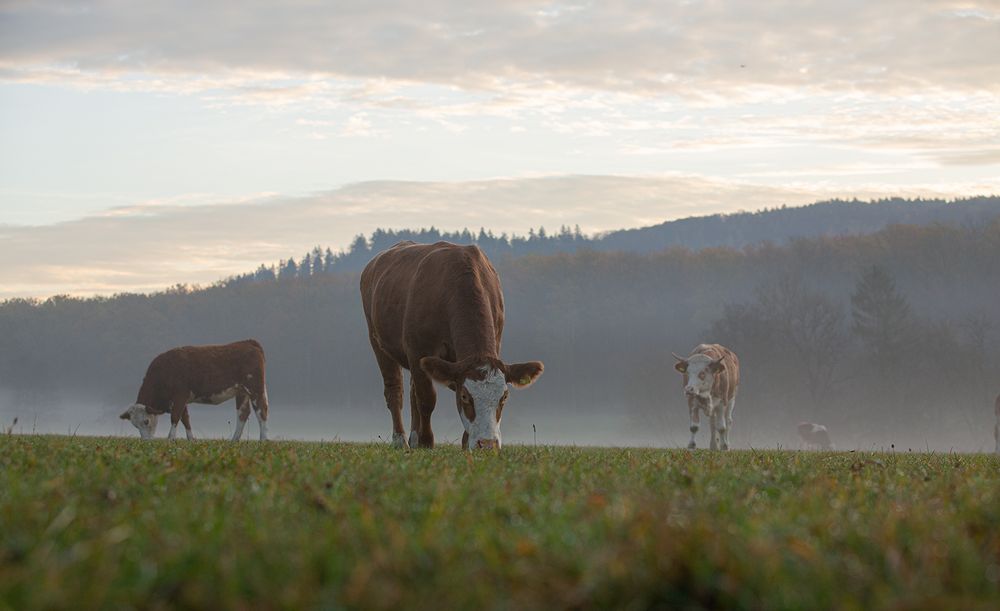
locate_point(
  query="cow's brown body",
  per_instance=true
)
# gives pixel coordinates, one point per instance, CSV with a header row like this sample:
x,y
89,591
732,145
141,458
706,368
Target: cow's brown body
x,y
209,375
719,400
428,303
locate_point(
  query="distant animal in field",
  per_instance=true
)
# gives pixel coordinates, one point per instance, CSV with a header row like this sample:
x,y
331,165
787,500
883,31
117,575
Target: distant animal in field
x,y
201,374
437,310
711,379
814,436
996,427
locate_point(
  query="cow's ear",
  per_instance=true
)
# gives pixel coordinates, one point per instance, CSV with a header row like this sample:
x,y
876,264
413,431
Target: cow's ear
x,y
126,415
681,365
716,366
441,371
522,375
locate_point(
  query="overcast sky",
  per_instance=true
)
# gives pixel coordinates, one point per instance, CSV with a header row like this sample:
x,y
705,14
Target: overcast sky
x,y
148,143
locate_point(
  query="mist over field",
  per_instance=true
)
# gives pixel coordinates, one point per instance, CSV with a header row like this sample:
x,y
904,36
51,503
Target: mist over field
x,y
890,339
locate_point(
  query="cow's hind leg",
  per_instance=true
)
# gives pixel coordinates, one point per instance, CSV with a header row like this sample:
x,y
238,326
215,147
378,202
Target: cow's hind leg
x,y
392,380
414,416
242,413
423,390
186,419
714,418
723,412
260,408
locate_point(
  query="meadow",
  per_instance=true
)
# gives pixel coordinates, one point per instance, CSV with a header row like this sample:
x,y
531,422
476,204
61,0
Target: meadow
x,y
117,523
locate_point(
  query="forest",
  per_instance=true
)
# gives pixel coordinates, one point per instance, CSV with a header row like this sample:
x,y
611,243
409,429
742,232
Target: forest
x,y
889,338
737,230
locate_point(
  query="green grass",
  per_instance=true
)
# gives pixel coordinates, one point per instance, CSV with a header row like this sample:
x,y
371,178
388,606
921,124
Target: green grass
x,y
98,522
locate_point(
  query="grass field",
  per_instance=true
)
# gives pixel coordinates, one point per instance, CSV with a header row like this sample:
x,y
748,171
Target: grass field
x,y
109,522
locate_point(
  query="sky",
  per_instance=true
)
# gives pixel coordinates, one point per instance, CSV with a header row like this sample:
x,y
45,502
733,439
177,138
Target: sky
x,y
144,144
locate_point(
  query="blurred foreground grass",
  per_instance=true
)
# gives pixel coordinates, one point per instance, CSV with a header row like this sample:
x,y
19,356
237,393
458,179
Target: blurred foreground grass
x,y
102,522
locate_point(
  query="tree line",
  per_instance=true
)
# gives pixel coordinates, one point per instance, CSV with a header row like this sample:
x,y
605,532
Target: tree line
x,y
738,230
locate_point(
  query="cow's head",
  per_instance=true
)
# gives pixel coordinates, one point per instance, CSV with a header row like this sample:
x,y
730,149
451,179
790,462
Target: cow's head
x,y
699,374
140,416
481,389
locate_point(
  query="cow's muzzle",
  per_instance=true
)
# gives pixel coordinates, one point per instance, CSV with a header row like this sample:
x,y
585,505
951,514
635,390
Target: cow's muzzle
x,y
488,444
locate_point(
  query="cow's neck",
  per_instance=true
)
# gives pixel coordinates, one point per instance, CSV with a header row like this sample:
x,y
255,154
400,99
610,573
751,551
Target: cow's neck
x,y
474,341
474,335
147,399
473,323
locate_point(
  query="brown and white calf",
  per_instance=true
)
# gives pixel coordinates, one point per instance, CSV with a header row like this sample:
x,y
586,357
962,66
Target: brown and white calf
x,y
201,374
437,310
814,436
711,379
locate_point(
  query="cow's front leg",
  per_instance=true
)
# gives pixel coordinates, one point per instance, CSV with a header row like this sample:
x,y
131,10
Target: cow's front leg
x,y
695,421
177,408
186,419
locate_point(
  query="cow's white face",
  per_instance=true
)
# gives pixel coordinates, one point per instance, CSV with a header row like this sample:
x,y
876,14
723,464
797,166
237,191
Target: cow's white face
x,y
141,419
481,390
483,400
700,376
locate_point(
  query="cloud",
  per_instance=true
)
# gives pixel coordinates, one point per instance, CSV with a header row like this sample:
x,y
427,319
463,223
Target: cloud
x,y
917,78
706,49
154,245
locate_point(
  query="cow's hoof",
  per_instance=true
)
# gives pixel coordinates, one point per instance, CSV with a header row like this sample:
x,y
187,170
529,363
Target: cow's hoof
x,y
399,441
414,439
691,446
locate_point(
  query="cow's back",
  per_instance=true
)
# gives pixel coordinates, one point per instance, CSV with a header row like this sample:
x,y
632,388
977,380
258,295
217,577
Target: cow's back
x,y
201,371
728,382
413,294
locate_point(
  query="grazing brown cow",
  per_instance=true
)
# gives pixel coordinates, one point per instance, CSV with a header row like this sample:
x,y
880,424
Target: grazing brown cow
x,y
814,436
202,374
437,310
711,378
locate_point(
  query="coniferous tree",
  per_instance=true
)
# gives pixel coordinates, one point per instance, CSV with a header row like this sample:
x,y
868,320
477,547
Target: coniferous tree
x,y
881,318
318,264
288,269
305,266
329,260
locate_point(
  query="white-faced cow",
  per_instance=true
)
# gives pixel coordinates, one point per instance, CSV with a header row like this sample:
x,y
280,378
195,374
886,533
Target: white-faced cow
x,y
711,378
201,374
437,310
814,436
